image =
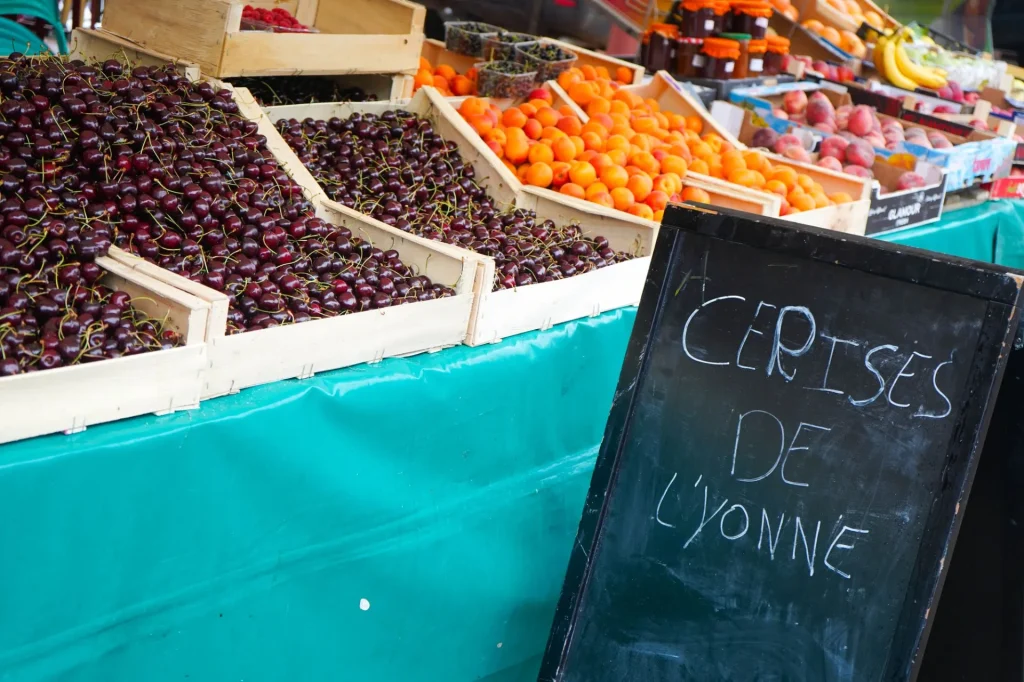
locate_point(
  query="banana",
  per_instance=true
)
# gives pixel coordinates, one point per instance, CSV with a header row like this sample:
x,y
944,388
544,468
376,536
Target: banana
x,y
892,70
923,75
876,56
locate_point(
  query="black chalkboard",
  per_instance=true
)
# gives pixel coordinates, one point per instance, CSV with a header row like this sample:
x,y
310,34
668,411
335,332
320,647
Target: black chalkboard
x,y
786,461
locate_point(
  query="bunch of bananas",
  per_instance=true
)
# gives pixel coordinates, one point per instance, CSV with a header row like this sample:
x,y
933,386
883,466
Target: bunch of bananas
x,y
891,60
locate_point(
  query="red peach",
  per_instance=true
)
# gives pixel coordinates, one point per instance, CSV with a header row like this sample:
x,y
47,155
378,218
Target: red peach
x,y
909,180
860,153
831,163
859,171
794,101
835,147
787,141
861,120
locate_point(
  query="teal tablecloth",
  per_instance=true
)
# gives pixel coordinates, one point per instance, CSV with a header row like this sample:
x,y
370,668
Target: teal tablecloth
x,y
238,541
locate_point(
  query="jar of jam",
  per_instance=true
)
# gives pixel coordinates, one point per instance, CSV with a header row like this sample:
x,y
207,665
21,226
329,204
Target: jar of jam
x,y
689,60
751,16
741,63
698,18
720,55
723,16
660,53
756,50
775,56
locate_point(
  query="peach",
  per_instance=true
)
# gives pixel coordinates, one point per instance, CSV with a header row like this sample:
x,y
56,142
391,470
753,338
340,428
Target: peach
x,y
939,141
827,127
819,110
780,113
909,180
764,137
861,120
875,139
797,153
786,141
794,101
835,147
860,153
831,163
859,171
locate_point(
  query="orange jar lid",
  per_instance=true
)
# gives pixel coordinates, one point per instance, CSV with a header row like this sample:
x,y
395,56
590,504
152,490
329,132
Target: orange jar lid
x,y
755,46
721,7
777,44
721,48
696,5
753,8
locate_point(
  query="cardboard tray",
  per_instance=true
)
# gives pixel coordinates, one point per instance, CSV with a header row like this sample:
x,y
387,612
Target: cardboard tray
x,y
51,401
356,36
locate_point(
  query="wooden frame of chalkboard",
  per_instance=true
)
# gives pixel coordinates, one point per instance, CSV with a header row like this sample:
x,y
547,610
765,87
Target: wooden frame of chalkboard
x,y
994,288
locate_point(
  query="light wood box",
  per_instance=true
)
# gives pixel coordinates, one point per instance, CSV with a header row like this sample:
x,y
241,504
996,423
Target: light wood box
x,y
300,350
503,313
69,399
356,36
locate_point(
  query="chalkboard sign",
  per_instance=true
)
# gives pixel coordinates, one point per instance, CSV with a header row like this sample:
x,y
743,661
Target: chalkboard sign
x,y
786,461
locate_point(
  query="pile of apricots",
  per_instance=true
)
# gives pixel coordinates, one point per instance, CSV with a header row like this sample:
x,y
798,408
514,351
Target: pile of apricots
x,y
629,155
445,79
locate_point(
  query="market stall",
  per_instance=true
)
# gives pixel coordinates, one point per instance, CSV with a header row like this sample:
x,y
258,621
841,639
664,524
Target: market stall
x,y
310,326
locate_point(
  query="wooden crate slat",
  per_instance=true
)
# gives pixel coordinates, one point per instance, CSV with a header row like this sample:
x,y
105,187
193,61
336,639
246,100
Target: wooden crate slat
x,y
51,401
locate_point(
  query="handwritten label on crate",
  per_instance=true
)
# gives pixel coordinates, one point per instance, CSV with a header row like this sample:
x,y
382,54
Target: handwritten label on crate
x,y
905,209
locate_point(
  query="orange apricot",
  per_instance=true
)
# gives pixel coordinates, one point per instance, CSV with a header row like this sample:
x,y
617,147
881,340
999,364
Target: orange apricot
x,y
528,109
573,190
641,210
588,71
513,117
568,77
473,106
645,161
805,181
600,162
640,185
618,156
622,198
669,183
516,150
445,71
541,153
440,82
425,64
802,202
602,199
564,149
673,164
547,116
840,197
598,105
593,141
522,172
614,176
580,145
596,188
570,125
482,123
582,93
657,200
786,175
462,86
697,166
559,173
539,175
740,176
776,187
582,174
533,129
496,148
624,75
696,195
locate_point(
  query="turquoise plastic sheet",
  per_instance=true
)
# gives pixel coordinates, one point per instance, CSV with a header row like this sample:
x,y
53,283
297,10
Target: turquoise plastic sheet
x,y
992,232
237,542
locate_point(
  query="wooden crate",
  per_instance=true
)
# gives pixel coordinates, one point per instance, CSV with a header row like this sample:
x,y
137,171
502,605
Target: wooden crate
x,y
91,45
300,350
356,36
499,314
671,97
722,193
436,53
69,399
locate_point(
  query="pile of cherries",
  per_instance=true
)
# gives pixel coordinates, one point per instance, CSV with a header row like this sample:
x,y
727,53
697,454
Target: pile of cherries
x,y
281,90
396,168
169,170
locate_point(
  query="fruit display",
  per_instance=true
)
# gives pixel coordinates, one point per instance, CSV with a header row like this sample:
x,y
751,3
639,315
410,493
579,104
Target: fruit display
x,y
918,52
847,41
278,90
170,171
892,61
445,78
629,155
277,19
397,169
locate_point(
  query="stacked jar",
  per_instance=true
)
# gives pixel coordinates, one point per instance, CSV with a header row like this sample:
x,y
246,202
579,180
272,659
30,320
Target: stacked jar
x,y
723,16
658,47
720,56
689,60
698,18
751,16
775,56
